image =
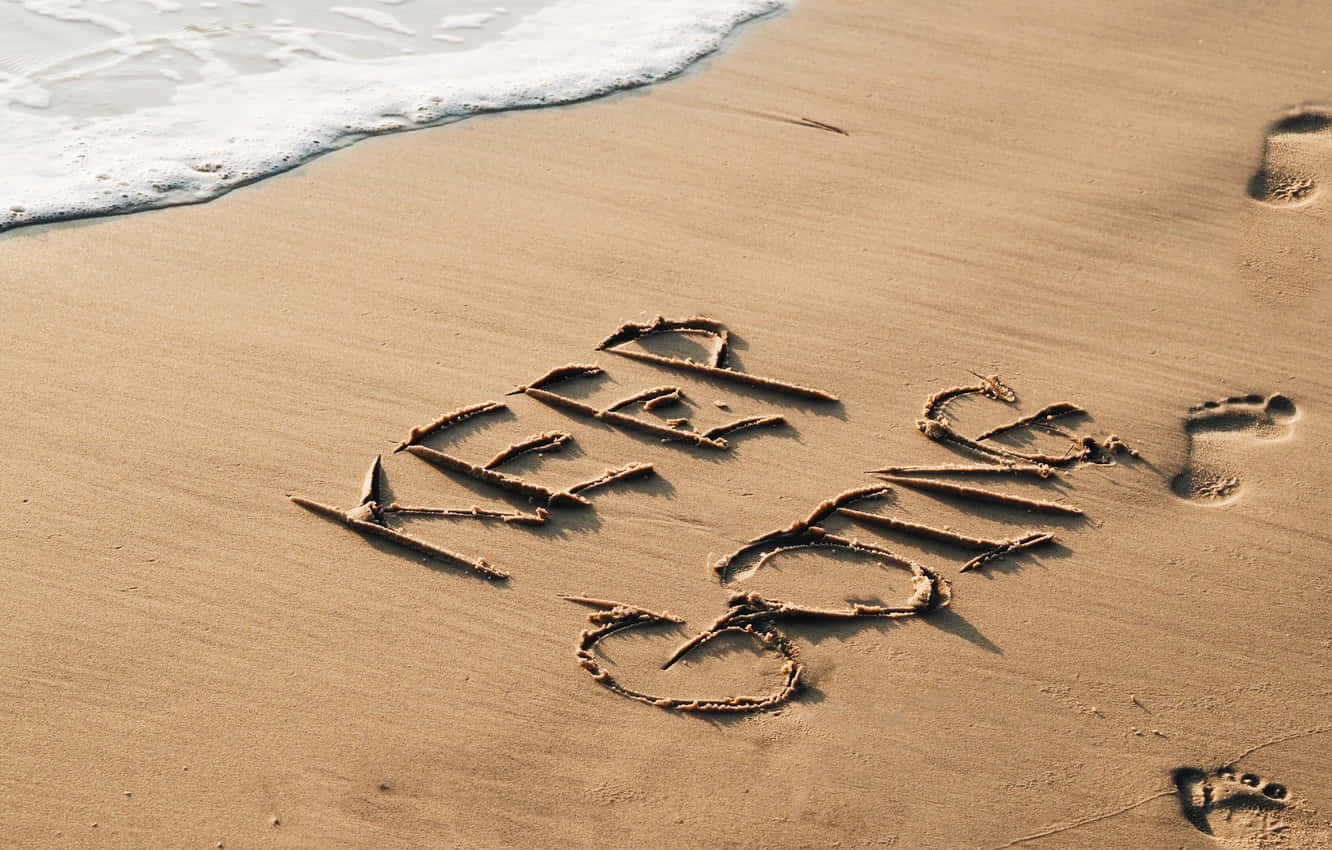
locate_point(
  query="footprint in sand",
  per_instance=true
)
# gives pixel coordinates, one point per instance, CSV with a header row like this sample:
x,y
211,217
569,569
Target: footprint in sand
x,y
1244,810
1220,434
1285,248
1289,172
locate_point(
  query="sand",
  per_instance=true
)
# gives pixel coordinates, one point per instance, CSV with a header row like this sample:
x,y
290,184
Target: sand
x,y
1062,195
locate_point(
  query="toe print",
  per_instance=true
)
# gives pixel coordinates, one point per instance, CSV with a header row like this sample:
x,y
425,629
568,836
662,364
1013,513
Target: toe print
x,y
1220,435
1242,810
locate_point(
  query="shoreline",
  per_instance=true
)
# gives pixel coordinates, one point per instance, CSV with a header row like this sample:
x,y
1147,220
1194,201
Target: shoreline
x,y
187,166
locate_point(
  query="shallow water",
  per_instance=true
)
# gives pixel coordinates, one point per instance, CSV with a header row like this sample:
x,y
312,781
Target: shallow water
x,y
116,105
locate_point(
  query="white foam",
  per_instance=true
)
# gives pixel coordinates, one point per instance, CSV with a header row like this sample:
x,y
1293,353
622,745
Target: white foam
x,y
147,103
375,18
466,22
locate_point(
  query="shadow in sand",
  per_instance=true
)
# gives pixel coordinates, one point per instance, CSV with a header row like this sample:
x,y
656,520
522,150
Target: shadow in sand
x,y
948,620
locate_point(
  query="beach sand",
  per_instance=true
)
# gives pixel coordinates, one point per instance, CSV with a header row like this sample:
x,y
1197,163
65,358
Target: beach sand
x,y
1060,194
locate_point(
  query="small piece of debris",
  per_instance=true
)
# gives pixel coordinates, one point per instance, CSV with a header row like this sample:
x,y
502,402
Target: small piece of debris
x,y
723,405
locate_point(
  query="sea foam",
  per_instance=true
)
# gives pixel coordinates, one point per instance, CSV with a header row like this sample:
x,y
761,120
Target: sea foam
x,y
121,105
